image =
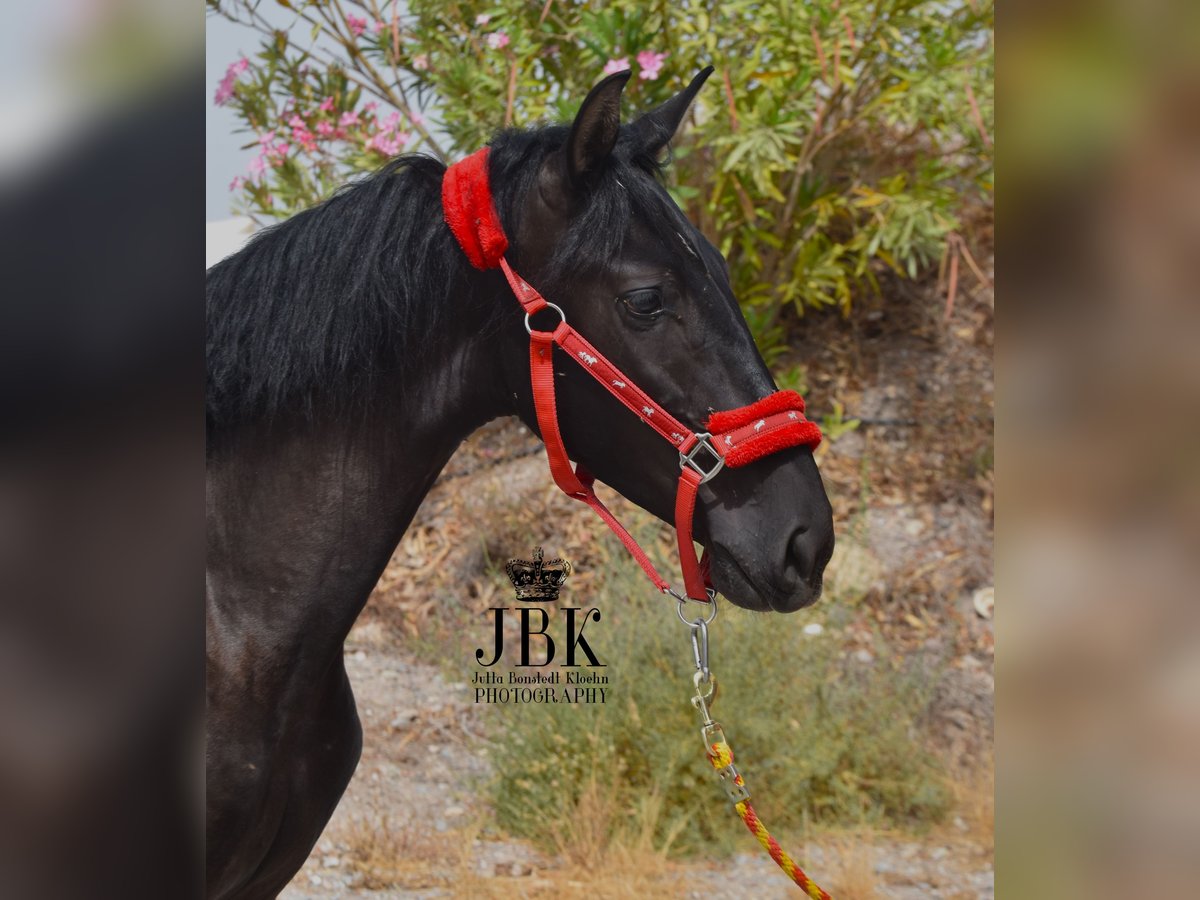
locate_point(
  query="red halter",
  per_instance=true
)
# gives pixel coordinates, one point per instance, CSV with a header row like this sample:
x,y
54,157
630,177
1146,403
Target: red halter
x,y
733,438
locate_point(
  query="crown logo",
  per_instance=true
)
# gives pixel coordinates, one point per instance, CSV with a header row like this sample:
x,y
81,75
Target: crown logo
x,y
537,580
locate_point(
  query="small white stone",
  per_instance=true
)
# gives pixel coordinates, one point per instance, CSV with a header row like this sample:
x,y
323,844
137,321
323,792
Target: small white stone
x,y
984,601
814,628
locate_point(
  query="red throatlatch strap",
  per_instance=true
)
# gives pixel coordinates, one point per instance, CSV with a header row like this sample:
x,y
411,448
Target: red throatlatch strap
x,y
577,482
635,550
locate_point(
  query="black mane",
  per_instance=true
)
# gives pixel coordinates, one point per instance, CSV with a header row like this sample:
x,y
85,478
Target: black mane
x,y
338,293
314,308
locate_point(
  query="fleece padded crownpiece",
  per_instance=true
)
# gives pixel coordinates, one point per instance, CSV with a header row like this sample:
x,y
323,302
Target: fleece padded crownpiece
x,y
470,212
766,426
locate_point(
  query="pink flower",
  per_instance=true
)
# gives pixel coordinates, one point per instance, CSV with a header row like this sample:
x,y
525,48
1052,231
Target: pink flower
x,y
370,107
349,118
264,140
237,182
357,26
324,129
421,62
650,64
296,122
326,104
497,40
616,65
379,26
225,89
258,165
482,19
302,136
417,119
386,144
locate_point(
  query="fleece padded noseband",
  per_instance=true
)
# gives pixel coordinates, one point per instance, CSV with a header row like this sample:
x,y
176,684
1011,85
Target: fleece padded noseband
x,y
766,426
734,438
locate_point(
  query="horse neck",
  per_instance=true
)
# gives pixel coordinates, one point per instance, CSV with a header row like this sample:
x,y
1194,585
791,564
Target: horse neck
x,y
304,513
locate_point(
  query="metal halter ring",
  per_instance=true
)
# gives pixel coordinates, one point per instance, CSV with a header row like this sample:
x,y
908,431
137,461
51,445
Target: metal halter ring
x,y
554,306
695,623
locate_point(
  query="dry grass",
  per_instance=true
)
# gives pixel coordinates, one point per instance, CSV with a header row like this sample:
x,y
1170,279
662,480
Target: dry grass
x,y
623,876
603,852
385,855
974,793
848,857
597,835
851,874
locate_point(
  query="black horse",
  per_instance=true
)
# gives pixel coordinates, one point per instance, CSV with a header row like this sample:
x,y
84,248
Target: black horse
x,y
352,348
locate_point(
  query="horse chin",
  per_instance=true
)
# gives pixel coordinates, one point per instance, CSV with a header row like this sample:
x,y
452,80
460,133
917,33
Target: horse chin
x,y
759,594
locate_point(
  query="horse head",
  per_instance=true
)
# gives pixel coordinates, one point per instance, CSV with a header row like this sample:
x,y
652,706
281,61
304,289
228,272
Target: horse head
x,y
593,228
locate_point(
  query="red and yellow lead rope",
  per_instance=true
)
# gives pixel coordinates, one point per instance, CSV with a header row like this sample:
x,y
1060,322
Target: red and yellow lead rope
x,y
721,756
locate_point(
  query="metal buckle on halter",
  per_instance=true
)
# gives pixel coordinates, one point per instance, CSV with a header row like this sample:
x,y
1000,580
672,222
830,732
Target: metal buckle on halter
x,y
688,460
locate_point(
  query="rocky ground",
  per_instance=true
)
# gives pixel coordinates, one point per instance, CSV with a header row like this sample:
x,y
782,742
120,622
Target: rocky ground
x,y
413,820
912,491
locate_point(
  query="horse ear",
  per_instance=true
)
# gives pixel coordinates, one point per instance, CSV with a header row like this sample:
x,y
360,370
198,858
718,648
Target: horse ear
x,y
595,129
653,131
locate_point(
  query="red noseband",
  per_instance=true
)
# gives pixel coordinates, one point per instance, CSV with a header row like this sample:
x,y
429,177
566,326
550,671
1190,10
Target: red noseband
x,y
734,438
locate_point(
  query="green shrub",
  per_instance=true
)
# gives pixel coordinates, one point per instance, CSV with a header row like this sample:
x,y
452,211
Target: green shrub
x,y
818,741
836,140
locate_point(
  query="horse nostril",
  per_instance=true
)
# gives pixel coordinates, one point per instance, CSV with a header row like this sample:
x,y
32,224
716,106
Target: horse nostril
x,y
808,552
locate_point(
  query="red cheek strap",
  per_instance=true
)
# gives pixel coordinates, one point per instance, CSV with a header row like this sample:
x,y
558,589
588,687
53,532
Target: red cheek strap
x,y
766,426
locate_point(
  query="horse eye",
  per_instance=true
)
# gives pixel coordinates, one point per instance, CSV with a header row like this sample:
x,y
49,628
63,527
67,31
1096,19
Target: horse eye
x,y
644,302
